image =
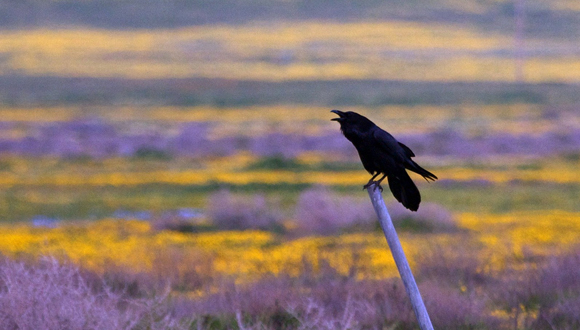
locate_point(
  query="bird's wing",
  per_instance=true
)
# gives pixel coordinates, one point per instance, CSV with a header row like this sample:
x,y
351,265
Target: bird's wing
x,y
408,150
390,145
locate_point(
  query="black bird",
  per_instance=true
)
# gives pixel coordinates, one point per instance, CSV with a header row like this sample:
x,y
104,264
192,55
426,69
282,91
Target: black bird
x,y
381,153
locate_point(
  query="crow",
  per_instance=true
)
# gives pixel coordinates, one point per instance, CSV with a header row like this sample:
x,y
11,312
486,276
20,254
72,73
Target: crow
x,y
381,153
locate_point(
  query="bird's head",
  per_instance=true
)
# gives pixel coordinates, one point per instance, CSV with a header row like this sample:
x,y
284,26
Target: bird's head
x,y
350,119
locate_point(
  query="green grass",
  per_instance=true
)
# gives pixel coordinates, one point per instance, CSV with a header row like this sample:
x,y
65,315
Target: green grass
x,y
99,202
336,93
289,164
505,197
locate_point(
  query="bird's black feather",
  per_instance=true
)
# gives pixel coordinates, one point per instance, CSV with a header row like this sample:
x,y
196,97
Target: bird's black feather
x,y
381,153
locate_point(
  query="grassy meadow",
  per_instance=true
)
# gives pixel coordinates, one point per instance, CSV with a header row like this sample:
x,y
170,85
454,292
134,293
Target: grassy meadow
x,y
267,51
172,165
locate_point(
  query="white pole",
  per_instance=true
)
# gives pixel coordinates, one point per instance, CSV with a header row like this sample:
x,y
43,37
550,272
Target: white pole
x,y
400,259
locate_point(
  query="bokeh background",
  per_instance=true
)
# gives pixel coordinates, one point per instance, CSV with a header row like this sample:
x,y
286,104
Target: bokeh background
x,y
176,163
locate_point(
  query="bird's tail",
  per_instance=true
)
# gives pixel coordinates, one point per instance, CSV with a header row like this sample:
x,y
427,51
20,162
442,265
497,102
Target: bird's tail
x,y
405,190
412,166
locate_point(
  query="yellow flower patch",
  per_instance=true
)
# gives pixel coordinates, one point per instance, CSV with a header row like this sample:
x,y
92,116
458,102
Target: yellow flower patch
x,y
247,255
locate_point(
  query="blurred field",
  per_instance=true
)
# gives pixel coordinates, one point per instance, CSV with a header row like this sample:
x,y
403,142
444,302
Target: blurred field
x,y
181,154
515,255
250,255
80,189
514,117
286,51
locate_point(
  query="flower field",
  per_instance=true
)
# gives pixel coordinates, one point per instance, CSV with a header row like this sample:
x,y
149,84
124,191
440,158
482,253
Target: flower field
x,y
81,176
253,202
281,51
172,164
249,255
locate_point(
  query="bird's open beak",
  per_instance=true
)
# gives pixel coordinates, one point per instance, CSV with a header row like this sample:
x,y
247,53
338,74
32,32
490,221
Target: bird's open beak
x,y
339,113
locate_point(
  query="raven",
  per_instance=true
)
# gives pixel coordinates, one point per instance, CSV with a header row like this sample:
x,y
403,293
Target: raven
x,y
381,153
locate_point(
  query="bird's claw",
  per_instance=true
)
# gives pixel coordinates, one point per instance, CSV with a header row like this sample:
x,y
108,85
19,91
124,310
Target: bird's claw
x,y
376,185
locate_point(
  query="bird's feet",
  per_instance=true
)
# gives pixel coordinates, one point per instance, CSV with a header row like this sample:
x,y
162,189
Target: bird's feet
x,y
376,184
